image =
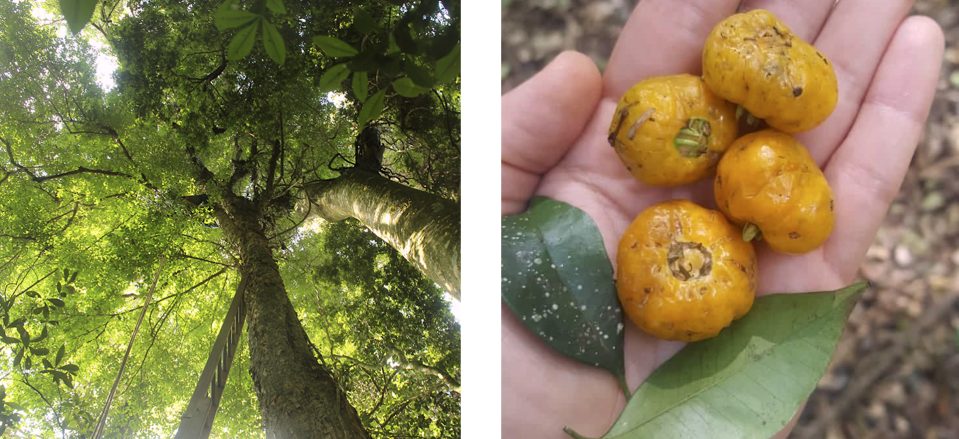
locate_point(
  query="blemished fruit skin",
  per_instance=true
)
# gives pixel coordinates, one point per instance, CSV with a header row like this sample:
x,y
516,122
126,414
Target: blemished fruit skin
x,y
754,60
767,178
671,130
684,272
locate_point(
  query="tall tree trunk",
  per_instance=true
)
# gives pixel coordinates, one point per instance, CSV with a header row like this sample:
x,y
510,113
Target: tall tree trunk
x,y
298,397
423,227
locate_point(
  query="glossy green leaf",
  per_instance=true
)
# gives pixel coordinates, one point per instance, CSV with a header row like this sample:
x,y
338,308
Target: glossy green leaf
x,y
41,337
77,13
372,108
276,6
361,85
419,75
364,22
557,279
749,381
60,353
448,67
406,88
242,43
273,42
332,77
334,47
229,18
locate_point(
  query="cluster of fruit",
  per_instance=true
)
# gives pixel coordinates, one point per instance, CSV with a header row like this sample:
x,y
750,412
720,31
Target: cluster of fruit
x,y
685,272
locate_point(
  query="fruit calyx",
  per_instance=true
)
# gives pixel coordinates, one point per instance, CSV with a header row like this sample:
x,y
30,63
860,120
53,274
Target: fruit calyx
x,y
689,260
693,139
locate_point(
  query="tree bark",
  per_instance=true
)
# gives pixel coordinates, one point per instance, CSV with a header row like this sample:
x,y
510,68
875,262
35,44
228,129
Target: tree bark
x,y
298,397
423,227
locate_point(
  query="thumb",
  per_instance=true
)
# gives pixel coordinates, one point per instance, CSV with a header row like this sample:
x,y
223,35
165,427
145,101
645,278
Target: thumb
x,y
541,119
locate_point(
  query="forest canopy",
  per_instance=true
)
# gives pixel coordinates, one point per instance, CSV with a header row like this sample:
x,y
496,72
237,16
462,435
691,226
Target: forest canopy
x,y
308,149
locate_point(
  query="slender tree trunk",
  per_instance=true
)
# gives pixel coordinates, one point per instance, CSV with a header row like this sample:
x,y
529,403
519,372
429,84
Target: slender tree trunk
x,y
298,397
423,227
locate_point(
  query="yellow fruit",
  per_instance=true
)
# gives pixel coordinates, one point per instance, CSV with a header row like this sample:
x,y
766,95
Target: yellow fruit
x,y
684,272
754,60
768,179
671,130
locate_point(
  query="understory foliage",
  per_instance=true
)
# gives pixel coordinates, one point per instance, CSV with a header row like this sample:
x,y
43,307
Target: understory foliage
x,y
101,185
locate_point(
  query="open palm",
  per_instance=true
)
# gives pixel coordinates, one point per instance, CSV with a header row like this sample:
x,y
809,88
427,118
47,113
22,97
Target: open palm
x,y
554,144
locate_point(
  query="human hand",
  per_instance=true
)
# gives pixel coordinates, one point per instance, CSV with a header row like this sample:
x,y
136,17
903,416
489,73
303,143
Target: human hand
x,y
554,144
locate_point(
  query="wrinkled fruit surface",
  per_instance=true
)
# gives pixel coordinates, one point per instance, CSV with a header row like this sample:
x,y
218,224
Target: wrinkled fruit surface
x,y
684,272
671,130
754,60
768,179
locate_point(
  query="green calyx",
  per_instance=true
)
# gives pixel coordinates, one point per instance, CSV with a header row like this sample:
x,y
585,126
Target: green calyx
x,y
693,139
751,120
751,232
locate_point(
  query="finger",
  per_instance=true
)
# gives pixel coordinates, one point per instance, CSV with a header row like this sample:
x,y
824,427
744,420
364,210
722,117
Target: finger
x,y
662,37
867,170
854,64
804,18
540,121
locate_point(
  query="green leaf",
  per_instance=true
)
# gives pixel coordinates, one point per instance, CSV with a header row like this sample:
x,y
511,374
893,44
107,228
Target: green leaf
x,y
273,42
332,78
230,18
406,88
56,302
43,335
9,340
33,294
60,375
59,287
448,67
73,278
46,363
419,75
334,47
24,336
28,364
78,13
72,368
364,22
750,380
361,85
558,281
18,358
69,290
60,354
242,43
39,351
371,109
276,6
403,38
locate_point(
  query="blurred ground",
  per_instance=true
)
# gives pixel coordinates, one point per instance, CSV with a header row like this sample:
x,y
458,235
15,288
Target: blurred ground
x,y
896,371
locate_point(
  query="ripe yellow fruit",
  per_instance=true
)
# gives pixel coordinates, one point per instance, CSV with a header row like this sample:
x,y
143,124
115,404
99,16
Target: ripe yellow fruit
x,y
769,180
754,60
684,272
671,130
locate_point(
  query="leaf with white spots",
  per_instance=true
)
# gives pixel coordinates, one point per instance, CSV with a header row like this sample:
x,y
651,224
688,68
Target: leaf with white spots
x,y
748,381
558,281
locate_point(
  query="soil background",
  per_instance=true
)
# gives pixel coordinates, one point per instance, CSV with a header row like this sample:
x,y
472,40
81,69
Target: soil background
x,y
895,373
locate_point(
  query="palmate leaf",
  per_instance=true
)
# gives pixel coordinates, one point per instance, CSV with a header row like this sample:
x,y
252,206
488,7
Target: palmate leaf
x,y
273,42
334,47
77,13
749,381
242,43
558,281
372,108
332,77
